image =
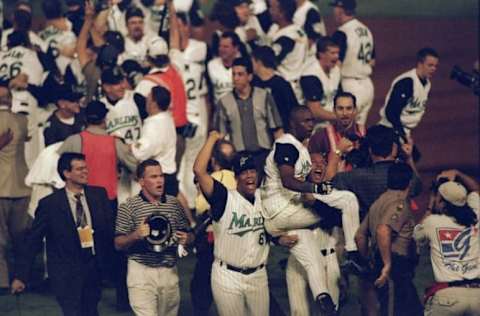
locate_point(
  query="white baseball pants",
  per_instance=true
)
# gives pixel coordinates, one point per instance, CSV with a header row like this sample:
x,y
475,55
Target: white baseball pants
x,y
238,294
298,296
192,148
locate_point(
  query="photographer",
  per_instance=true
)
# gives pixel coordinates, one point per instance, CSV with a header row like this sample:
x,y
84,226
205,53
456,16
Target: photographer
x,y
152,278
451,228
340,138
368,183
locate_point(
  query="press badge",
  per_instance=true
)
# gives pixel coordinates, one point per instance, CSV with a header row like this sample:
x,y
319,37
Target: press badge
x,y
85,235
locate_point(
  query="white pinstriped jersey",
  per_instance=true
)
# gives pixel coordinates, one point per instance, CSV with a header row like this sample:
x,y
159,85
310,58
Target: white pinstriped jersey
x,y
240,238
300,17
135,50
34,39
221,78
330,83
359,50
275,196
254,24
57,39
192,65
413,112
18,60
291,66
123,119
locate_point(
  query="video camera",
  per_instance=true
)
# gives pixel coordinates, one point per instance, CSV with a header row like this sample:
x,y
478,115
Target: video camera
x,y
470,80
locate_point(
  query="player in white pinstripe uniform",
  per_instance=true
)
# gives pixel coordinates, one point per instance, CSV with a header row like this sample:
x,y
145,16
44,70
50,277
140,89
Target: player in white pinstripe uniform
x,y
239,276
286,169
297,281
123,120
190,59
357,53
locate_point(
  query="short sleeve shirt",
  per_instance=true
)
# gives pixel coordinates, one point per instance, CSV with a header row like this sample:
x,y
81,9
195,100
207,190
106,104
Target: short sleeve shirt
x,y
392,209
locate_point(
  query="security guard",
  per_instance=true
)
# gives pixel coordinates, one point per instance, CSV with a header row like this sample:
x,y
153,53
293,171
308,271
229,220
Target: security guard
x,y
389,223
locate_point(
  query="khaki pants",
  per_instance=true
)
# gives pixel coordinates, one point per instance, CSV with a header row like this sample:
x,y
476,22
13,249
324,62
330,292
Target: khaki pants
x,y
454,301
14,220
153,291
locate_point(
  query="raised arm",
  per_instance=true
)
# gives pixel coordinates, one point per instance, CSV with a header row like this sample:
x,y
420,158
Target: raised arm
x,y
174,34
470,183
82,40
201,164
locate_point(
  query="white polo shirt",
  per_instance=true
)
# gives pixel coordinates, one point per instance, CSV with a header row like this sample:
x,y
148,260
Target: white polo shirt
x,y
158,141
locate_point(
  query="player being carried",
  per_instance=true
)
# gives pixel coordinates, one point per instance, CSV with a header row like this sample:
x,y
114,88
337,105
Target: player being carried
x,y
286,169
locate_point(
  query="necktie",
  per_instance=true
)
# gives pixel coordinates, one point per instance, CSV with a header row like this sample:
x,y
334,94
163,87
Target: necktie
x,y
81,219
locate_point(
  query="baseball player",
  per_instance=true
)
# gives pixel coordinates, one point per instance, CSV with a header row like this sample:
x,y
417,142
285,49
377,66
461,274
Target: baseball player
x,y
406,100
307,16
320,81
239,276
357,53
123,120
251,28
286,169
22,21
21,65
297,282
219,68
60,39
289,43
190,59
124,106
137,39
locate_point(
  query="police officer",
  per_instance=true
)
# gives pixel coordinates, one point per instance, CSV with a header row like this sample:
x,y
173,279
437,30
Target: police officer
x,y
390,223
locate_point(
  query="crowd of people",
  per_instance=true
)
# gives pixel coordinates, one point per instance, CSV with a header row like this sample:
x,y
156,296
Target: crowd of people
x,y
130,139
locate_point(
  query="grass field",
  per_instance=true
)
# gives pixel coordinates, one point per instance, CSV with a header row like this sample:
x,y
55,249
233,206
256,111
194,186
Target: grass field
x,y
43,304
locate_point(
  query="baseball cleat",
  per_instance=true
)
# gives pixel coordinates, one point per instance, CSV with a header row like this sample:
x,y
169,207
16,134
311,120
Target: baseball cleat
x,y
325,303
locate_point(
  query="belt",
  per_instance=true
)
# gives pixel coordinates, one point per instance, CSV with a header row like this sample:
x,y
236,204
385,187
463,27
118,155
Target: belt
x,y
437,286
326,252
475,283
245,271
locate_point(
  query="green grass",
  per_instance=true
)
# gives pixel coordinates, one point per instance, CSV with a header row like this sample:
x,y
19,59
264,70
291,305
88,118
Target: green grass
x,y
36,304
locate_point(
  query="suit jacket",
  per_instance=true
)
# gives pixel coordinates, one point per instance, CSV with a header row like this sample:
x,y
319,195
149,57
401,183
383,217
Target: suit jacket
x,y
66,262
13,168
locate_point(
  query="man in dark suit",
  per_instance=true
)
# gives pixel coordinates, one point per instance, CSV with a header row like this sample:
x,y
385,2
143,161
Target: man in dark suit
x,y
68,218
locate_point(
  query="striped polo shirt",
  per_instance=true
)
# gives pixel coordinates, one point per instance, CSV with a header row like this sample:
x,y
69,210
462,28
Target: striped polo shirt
x,y
133,213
